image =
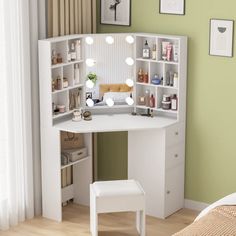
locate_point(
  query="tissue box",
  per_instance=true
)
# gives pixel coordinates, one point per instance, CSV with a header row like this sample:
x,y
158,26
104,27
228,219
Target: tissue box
x,y
75,154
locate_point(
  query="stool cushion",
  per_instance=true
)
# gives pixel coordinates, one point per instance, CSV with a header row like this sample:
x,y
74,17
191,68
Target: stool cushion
x,y
117,188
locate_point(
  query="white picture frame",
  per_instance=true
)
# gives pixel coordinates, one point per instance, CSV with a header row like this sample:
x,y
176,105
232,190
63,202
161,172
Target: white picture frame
x,y
116,12
173,7
221,37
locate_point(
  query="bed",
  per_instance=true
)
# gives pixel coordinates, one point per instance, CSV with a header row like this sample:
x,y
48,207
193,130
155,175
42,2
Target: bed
x,y
117,92
219,219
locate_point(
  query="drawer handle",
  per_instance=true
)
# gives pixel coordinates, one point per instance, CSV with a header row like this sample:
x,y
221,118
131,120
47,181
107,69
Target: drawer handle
x,y
176,155
176,133
168,192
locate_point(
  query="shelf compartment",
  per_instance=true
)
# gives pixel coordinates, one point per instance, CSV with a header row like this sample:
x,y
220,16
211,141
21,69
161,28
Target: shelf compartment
x,y
140,41
173,42
169,71
167,111
156,69
69,88
67,64
60,48
62,114
75,162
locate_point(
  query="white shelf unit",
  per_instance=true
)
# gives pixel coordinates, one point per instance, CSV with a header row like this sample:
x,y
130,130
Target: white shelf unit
x,y
162,69
61,96
155,155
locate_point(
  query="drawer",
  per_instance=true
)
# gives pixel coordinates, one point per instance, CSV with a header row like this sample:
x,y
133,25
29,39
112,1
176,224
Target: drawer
x,y
174,190
175,155
175,134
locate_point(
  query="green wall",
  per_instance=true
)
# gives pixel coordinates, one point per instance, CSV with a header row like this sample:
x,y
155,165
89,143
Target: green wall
x,y
211,102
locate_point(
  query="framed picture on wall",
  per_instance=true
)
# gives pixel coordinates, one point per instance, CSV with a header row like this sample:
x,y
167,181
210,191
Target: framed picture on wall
x,y
175,7
221,37
116,12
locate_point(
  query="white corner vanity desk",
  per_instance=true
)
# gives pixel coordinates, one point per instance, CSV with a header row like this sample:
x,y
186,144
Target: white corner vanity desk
x,y
156,145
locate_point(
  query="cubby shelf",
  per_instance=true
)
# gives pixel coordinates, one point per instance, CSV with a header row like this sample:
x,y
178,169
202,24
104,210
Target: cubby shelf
x,y
75,162
148,60
66,64
63,114
157,86
166,111
157,109
168,62
69,88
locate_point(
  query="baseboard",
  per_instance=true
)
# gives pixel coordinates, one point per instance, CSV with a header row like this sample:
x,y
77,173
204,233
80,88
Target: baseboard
x,y
193,205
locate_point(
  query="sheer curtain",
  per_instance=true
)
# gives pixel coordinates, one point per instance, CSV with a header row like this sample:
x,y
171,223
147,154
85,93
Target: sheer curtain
x,y
16,165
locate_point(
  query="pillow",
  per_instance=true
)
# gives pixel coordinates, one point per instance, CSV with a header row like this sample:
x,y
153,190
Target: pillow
x,y
116,96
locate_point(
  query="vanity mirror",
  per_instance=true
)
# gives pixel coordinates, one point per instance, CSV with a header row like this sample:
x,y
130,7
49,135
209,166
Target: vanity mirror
x,y
109,69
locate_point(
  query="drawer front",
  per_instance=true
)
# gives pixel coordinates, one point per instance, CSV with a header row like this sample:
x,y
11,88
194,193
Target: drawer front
x,y
175,155
175,134
174,190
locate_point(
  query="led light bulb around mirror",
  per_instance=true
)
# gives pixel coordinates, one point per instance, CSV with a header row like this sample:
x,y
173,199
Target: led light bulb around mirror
x,y
129,101
89,84
129,39
110,102
129,61
89,40
90,62
109,39
90,102
130,82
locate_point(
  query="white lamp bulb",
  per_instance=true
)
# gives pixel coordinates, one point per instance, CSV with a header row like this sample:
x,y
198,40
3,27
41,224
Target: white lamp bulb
x,y
130,82
109,39
129,61
90,62
129,101
90,102
89,84
110,102
89,40
129,39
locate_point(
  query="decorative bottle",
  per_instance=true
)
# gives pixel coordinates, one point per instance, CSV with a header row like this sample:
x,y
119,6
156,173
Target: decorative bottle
x,y
68,54
174,103
175,79
77,74
146,51
140,76
154,52
147,98
152,101
78,50
73,53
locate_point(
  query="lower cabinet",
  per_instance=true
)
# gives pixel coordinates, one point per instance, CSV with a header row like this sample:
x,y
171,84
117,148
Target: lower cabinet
x,y
174,189
159,167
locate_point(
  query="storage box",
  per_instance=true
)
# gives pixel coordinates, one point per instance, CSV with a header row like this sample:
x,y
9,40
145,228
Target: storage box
x,y
75,154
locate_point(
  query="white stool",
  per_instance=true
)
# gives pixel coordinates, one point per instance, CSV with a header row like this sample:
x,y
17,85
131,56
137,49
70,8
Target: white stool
x,y
117,196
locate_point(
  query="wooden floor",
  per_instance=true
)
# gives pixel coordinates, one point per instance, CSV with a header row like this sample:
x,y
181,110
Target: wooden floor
x,y
76,223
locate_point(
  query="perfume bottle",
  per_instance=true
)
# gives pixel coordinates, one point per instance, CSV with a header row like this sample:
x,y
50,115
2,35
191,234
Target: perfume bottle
x,y
152,101
54,57
146,51
145,80
77,74
147,98
68,54
175,80
154,52
140,76
73,53
78,49
174,102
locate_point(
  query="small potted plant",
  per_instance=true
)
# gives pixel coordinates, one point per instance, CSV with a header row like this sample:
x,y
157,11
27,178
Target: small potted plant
x,y
91,80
